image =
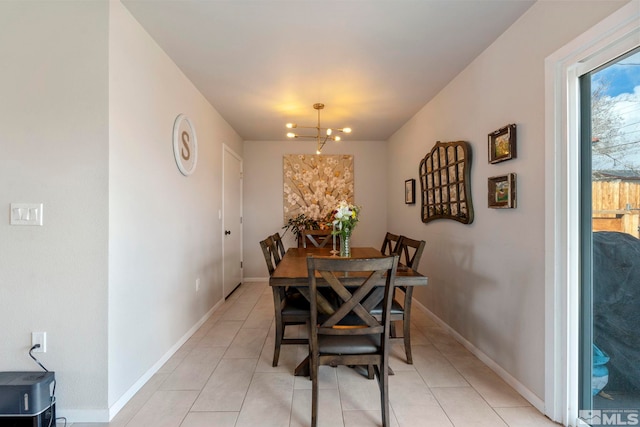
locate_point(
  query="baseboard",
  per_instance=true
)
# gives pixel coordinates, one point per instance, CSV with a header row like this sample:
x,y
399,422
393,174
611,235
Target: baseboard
x,y
83,415
507,377
255,279
120,403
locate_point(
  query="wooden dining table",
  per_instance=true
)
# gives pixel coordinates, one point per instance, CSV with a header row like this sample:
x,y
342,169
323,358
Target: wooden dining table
x,y
292,271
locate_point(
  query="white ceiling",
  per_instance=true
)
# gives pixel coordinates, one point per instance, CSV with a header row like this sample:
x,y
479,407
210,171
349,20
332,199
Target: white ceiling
x,y
373,63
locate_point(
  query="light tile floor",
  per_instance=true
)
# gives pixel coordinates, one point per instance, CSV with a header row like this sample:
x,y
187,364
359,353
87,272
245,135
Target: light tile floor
x,y
222,377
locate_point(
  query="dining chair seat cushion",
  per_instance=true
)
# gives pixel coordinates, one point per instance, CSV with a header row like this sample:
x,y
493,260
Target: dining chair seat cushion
x,y
295,308
396,308
349,344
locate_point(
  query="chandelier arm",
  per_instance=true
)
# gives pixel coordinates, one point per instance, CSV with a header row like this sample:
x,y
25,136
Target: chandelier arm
x,y
307,127
321,140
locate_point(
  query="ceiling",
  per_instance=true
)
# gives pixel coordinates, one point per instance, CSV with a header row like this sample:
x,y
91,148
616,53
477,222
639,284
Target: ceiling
x,y
373,63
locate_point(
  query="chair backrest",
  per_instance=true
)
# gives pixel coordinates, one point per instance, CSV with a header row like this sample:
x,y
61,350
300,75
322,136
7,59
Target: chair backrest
x,y
278,241
390,244
271,255
350,316
315,238
410,251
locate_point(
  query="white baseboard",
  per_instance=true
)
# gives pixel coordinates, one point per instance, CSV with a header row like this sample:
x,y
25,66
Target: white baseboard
x,y
83,415
119,404
507,377
255,279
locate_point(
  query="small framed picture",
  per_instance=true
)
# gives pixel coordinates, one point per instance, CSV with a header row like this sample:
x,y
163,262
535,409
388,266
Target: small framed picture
x,y
502,191
410,191
502,144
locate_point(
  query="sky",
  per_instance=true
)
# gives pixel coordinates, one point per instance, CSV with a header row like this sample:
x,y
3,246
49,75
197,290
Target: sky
x,y
623,78
623,75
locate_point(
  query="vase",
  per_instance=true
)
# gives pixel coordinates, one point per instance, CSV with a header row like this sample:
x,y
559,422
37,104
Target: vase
x,y
345,244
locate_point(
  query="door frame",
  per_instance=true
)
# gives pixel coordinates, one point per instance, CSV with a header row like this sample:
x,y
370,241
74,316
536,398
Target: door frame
x,y
604,41
229,150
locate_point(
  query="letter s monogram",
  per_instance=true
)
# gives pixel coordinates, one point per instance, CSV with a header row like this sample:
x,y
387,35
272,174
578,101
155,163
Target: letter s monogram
x,y
185,152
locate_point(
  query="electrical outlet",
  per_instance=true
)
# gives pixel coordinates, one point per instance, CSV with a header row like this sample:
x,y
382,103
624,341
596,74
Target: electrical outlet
x,y
197,284
39,338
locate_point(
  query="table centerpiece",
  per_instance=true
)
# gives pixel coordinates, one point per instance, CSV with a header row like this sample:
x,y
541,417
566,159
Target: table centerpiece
x,y
345,218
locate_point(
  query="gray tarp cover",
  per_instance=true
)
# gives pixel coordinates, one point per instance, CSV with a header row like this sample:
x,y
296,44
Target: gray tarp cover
x,y
616,306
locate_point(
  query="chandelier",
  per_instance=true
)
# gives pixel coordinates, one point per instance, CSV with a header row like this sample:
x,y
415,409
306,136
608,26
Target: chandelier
x,y
322,134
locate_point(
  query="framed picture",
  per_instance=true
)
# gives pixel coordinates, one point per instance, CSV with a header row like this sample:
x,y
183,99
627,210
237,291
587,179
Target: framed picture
x,y
410,191
502,191
502,144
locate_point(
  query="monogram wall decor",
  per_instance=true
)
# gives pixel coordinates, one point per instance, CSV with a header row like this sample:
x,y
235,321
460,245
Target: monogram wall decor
x,y
185,145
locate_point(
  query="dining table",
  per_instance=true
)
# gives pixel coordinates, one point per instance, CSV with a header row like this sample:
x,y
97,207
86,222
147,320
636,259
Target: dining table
x,y
292,272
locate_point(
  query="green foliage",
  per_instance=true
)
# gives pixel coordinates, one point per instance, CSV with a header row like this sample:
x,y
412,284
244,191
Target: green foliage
x,y
300,223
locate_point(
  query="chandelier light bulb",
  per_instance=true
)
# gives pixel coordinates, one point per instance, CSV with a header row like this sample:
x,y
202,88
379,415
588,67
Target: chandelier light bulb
x,y
336,138
291,135
329,132
346,130
291,125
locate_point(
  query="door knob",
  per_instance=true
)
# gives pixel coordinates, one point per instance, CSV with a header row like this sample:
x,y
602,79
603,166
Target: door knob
x,y
227,232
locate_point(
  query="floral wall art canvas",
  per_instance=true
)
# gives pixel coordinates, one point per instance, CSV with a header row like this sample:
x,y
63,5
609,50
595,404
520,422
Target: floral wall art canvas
x,y
315,184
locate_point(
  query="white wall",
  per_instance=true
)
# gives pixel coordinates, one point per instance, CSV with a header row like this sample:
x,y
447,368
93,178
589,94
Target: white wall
x,y
164,230
263,189
87,111
486,280
54,144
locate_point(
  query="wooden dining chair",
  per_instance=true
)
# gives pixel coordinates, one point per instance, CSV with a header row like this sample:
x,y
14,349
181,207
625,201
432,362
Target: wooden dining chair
x,y
271,255
410,252
278,242
351,335
290,308
316,238
390,244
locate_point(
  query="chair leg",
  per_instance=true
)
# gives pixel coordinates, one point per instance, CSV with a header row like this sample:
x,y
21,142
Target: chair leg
x,y
370,372
277,344
278,295
383,382
313,373
406,324
392,330
407,340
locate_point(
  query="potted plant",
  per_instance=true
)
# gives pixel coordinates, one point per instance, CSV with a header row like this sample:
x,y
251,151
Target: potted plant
x,y
300,223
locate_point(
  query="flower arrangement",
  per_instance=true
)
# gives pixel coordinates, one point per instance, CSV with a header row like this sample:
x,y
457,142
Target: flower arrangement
x,y
345,218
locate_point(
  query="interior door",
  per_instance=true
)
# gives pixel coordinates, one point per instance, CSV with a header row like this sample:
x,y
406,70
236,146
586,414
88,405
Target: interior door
x,y
231,221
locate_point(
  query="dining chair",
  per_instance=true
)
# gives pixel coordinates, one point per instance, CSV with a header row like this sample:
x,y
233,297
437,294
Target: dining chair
x,y
278,241
316,238
351,335
390,243
410,252
290,308
271,255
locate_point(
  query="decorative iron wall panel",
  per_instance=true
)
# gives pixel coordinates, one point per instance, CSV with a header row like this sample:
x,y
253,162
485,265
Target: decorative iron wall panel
x,y
445,184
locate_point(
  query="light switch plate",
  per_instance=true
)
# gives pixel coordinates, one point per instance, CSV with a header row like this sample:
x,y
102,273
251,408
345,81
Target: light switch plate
x,y
26,213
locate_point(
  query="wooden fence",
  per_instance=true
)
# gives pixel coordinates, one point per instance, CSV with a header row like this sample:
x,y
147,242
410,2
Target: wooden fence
x,y
616,206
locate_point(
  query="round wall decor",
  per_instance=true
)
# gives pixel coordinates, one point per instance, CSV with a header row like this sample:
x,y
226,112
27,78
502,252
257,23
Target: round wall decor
x,y
185,145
